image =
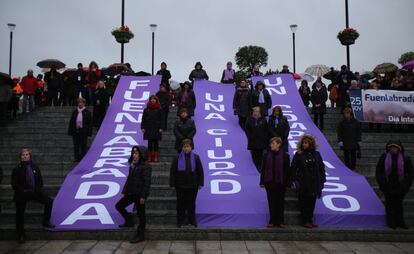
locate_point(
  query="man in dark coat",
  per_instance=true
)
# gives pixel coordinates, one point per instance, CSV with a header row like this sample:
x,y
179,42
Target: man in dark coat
x,y
261,98
5,98
319,96
100,104
394,175
344,79
27,183
136,190
198,73
349,137
187,177
80,128
80,82
166,75
241,103
279,127
53,81
184,128
257,137
305,92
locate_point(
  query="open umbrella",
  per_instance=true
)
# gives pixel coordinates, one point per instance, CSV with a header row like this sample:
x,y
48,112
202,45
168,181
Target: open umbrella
x,y
117,68
385,68
6,77
317,70
409,65
51,63
307,77
331,75
296,76
367,75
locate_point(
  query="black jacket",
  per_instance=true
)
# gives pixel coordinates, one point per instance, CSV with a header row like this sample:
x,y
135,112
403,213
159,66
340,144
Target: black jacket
x,y
241,102
392,184
281,129
256,132
198,74
183,129
286,171
319,97
165,100
138,182
53,83
87,123
308,172
166,75
18,179
190,104
349,132
305,95
264,107
187,179
152,122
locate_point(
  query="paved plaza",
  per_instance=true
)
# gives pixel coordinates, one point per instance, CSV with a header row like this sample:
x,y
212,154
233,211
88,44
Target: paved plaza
x,y
202,247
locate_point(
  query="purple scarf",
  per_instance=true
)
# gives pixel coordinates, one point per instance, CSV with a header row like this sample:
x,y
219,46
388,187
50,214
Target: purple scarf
x,y
79,118
261,96
30,178
228,74
184,98
182,163
270,157
400,166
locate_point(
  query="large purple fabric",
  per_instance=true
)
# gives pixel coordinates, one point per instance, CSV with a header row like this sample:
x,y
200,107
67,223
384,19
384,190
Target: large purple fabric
x,y
90,191
347,199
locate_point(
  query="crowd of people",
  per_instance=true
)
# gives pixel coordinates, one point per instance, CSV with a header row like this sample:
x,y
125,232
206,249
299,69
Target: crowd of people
x,y
266,135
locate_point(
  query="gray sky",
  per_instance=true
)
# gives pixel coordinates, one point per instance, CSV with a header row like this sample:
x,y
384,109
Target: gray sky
x,y
210,31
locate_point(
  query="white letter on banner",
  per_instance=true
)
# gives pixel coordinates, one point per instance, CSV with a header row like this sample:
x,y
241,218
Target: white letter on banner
x,y
122,140
119,129
227,155
120,116
138,83
328,165
353,203
113,189
117,162
128,96
219,99
116,152
217,132
133,106
292,118
338,187
208,105
215,186
214,165
298,125
105,172
224,173
101,214
215,116
218,142
293,134
271,87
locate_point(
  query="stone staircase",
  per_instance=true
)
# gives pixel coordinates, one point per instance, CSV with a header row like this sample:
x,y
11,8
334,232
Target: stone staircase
x,y
44,131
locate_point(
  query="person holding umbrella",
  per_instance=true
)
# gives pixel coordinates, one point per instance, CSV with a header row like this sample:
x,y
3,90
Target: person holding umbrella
x,y
53,80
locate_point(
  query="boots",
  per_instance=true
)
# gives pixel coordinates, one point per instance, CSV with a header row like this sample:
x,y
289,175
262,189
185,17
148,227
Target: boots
x,y
155,156
149,156
129,222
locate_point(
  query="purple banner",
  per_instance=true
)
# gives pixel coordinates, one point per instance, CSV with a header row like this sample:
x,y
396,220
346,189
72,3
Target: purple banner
x,y
90,191
231,196
347,199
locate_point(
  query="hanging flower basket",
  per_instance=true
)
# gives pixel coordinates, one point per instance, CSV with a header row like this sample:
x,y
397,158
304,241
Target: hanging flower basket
x,y
122,34
348,36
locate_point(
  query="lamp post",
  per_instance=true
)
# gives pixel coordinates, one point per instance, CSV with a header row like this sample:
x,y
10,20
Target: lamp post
x,y
122,24
293,28
153,28
11,27
348,57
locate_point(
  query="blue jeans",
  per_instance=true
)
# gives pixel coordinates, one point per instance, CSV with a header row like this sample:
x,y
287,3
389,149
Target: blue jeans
x,y
28,99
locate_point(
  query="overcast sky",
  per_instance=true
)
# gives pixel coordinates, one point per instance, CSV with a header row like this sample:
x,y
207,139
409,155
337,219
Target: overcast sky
x,y
210,31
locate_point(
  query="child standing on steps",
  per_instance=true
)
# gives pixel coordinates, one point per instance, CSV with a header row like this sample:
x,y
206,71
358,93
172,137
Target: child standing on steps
x,y
152,126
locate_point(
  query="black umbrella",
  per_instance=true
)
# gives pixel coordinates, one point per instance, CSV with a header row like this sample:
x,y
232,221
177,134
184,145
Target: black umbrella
x,y
6,77
51,63
331,75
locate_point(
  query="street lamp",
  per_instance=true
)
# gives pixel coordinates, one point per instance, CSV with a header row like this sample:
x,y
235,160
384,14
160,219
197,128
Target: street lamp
x,y
122,24
348,57
11,27
293,28
153,28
